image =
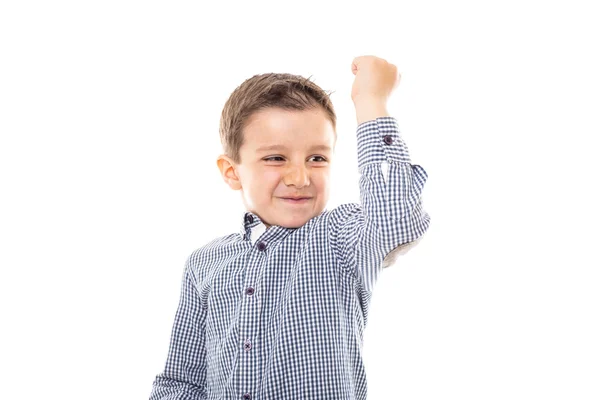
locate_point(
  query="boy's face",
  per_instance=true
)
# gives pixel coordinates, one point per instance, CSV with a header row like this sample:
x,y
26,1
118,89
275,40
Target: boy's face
x,y
285,154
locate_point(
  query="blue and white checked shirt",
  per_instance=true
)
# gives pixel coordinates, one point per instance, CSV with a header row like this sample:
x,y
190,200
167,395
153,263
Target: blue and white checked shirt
x,y
279,313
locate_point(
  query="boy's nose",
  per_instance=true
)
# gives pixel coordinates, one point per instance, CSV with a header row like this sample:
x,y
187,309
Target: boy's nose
x,y
297,176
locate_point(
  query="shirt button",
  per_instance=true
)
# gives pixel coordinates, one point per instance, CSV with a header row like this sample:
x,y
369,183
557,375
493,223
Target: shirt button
x,y
388,139
247,345
247,396
250,291
262,246
249,219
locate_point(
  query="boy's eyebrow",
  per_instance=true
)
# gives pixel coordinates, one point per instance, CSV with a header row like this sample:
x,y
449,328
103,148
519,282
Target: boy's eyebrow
x,y
281,147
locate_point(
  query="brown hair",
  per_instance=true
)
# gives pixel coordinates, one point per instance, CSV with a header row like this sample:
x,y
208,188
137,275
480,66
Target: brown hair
x,y
286,91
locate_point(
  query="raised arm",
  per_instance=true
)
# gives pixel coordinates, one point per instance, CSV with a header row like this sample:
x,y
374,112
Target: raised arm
x,y
390,218
184,376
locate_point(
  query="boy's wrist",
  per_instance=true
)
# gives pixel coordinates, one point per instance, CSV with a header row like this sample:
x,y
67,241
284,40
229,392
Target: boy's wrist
x,y
370,108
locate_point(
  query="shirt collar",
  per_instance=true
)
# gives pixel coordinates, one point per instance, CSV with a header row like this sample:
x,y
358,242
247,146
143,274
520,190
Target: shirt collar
x,y
252,228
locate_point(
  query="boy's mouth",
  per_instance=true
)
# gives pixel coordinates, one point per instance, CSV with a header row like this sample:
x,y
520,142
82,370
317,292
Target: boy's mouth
x,y
296,200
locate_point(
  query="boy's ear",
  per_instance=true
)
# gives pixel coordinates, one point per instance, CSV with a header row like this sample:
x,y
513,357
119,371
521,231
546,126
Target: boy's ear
x,y
228,173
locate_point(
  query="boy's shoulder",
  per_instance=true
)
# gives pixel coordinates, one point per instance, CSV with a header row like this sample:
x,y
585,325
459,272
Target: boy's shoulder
x,y
203,257
216,244
344,210
336,218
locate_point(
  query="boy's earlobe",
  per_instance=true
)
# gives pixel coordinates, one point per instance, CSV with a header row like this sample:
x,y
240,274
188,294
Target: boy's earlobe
x,y
228,173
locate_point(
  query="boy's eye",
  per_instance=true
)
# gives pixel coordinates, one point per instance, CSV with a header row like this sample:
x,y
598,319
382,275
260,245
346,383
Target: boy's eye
x,y
279,158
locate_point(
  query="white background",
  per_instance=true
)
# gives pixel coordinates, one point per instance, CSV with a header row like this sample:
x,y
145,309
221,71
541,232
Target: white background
x,y
109,115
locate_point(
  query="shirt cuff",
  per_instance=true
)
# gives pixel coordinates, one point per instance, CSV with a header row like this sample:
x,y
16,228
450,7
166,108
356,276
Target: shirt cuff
x,y
379,141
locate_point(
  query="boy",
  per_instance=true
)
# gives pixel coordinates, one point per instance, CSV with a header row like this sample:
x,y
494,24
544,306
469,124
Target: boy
x,y
277,311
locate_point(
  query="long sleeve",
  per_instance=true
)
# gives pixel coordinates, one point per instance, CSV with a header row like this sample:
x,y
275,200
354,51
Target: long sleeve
x,y
390,214
184,376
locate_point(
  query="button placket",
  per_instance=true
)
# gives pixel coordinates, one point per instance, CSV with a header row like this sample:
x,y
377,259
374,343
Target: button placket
x,y
250,312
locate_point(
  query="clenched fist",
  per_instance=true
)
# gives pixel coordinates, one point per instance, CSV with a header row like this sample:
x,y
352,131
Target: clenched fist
x,y
374,78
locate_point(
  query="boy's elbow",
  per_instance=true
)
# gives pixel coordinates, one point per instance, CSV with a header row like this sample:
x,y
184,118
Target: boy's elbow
x,y
391,258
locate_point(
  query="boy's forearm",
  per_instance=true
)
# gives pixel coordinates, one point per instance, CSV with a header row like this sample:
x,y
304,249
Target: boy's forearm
x,y
370,108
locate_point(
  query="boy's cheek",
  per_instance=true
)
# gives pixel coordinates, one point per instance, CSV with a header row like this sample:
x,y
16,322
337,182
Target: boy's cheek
x,y
270,176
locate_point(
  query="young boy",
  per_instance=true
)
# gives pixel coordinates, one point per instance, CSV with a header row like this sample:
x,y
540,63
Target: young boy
x,y
278,310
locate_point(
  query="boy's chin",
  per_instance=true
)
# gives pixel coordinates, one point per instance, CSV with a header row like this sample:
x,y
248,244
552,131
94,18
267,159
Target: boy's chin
x,y
287,223
293,222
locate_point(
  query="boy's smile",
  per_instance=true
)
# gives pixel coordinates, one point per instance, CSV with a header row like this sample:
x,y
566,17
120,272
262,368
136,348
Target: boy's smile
x,y
285,164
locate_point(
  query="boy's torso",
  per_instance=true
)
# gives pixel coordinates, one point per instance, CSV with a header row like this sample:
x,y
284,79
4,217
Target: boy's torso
x,y
283,316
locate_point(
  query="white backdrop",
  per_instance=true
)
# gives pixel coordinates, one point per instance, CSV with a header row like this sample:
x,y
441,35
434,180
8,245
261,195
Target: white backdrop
x,y
109,115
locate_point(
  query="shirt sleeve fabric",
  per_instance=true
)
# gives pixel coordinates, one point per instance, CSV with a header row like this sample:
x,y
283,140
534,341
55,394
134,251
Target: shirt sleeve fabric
x,y
390,213
184,376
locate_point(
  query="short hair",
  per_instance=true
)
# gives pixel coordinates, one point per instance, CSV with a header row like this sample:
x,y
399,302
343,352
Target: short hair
x,y
278,90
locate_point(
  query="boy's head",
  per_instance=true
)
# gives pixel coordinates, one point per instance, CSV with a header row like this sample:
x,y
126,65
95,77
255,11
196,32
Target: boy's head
x,y
278,136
